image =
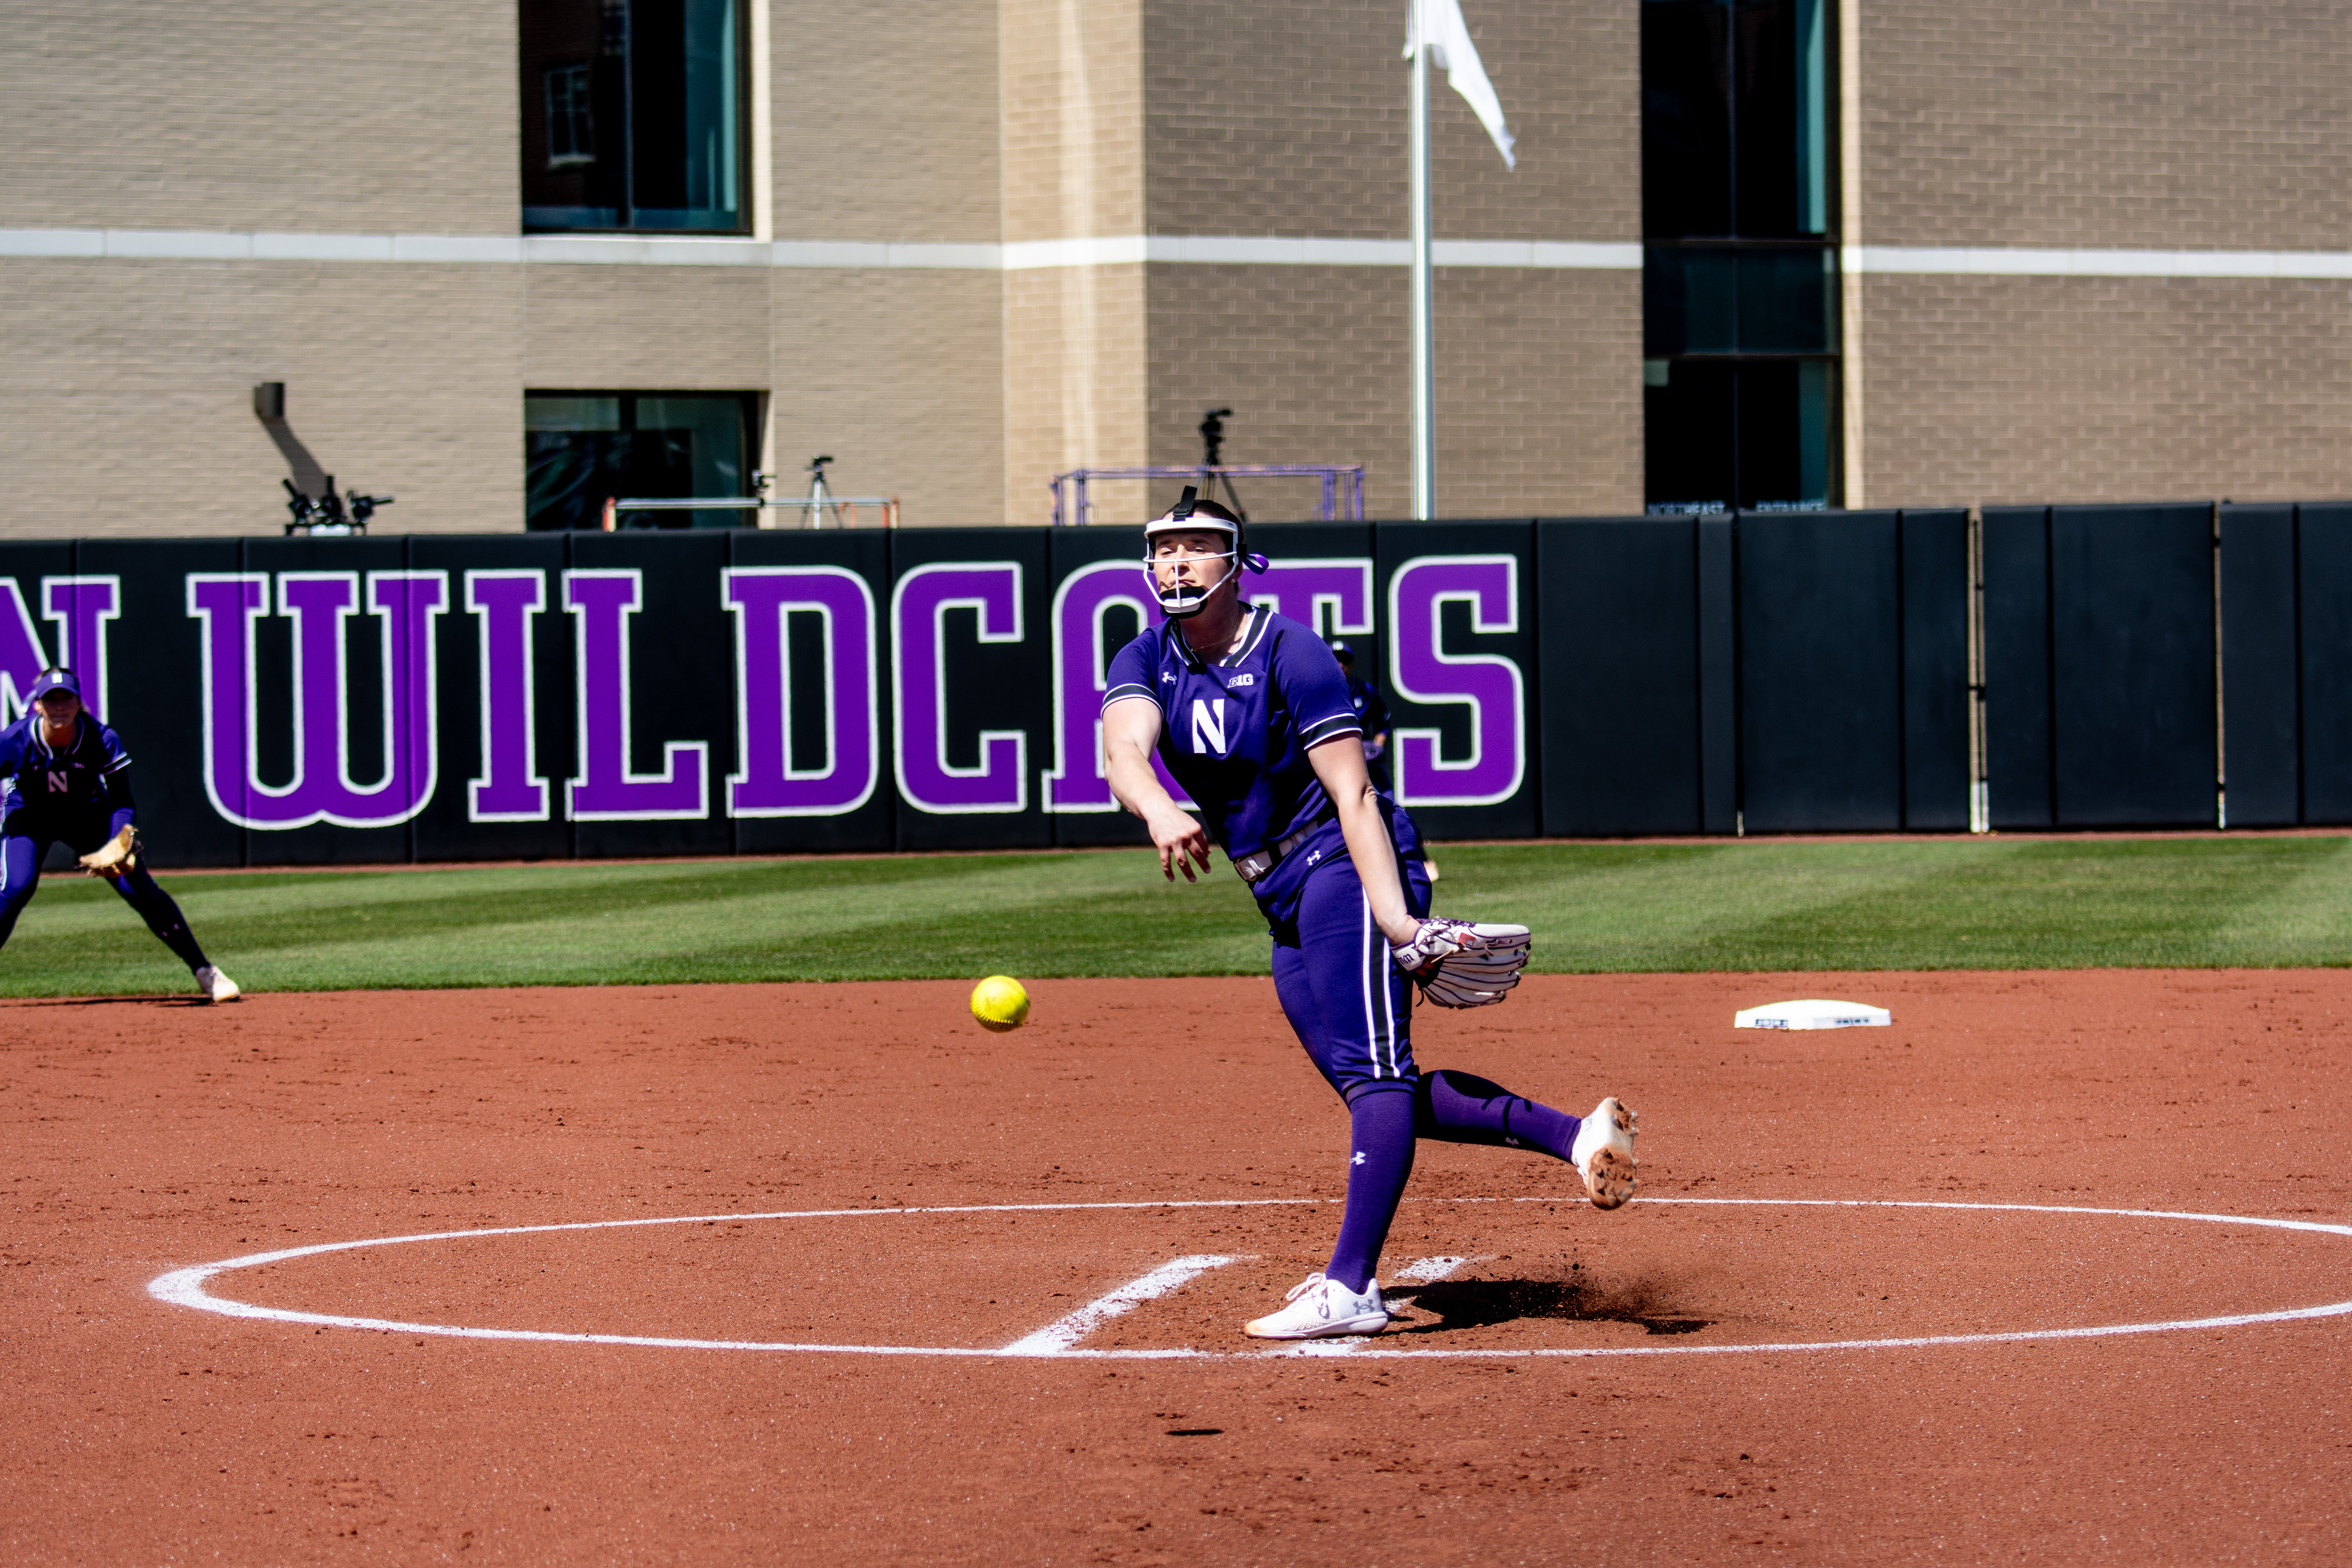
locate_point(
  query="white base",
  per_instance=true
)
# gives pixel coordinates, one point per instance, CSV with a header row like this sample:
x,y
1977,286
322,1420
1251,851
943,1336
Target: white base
x,y
1814,1013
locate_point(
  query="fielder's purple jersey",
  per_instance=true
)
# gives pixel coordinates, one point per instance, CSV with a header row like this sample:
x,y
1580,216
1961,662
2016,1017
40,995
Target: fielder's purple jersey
x,y
1235,733
50,792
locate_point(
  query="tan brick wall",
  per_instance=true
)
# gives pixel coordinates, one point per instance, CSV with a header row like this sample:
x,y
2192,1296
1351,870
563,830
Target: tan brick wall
x,y
1071,120
1538,382
243,114
1289,117
1072,136
1075,369
2044,389
646,329
126,406
2160,123
2153,124
1282,117
885,120
900,376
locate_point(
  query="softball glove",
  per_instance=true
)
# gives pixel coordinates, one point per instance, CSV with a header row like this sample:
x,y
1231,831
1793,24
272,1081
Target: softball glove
x,y
117,856
1461,965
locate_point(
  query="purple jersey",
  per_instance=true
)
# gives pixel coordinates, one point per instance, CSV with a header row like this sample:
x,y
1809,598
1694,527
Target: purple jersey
x,y
56,793
1235,733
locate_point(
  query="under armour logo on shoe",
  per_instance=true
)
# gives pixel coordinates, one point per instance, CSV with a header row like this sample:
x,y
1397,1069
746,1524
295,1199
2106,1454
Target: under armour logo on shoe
x,y
1360,1157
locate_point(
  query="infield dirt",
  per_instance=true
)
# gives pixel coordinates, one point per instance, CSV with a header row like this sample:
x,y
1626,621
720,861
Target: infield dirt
x,y
146,1135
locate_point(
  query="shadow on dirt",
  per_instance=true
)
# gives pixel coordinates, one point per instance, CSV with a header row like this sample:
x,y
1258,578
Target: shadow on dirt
x,y
1482,1304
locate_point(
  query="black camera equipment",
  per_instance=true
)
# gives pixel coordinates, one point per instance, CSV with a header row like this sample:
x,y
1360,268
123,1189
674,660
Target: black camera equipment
x,y
1213,450
325,515
1212,437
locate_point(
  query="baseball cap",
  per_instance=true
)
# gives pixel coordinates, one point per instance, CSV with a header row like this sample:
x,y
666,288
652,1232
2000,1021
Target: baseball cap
x,y
1340,649
55,679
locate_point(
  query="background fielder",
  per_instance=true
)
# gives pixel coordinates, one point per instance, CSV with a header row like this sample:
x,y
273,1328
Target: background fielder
x,y
62,778
1250,713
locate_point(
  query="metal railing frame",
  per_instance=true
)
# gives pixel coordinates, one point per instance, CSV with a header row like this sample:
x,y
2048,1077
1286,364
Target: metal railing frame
x,y
1076,509
889,505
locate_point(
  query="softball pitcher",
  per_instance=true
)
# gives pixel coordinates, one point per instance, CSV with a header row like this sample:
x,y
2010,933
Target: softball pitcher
x,y
1250,713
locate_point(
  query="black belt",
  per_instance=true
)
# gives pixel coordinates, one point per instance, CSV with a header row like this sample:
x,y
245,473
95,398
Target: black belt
x,y
1253,867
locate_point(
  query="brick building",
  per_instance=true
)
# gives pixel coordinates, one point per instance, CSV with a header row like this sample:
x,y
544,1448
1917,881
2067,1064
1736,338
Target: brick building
x,y
507,257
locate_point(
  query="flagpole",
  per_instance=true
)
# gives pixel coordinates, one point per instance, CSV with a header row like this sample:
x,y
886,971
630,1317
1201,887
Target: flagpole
x,y
1424,376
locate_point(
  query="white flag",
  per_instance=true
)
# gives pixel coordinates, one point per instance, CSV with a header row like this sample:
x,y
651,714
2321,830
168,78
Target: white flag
x,y
1442,28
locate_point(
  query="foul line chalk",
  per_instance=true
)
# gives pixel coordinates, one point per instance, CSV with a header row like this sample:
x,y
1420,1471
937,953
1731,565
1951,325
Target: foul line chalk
x,y
1056,1337
186,1287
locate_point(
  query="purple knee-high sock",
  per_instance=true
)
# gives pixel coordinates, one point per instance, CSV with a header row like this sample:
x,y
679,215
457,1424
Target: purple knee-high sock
x,y
1463,1108
1380,1118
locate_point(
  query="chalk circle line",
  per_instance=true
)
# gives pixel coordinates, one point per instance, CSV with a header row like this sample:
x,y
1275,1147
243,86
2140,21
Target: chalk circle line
x,y
188,1288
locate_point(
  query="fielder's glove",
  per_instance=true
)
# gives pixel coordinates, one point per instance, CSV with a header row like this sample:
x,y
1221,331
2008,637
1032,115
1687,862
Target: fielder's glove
x,y
1459,965
117,856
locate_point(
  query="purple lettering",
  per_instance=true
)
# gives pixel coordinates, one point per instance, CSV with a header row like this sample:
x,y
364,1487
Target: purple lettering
x,y
603,602
21,658
512,788
763,599
918,607
1081,657
322,790
81,607
1334,595
1489,685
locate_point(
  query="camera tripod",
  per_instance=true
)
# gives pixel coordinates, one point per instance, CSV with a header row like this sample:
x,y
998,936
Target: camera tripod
x,y
1213,460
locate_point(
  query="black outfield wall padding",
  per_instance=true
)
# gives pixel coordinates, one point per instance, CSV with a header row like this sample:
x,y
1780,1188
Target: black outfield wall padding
x,y
1935,771
1820,671
528,710
2132,689
967,633
1719,674
2259,686
649,771
1620,674
155,685
2324,598
1457,619
325,702
824,780
2018,713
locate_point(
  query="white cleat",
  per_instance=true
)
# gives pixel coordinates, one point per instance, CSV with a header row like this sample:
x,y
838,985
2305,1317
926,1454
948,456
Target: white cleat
x,y
1604,1153
216,987
1321,1307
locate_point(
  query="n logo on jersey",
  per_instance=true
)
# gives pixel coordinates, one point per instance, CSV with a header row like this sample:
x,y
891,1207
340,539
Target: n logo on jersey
x,y
1209,726
56,781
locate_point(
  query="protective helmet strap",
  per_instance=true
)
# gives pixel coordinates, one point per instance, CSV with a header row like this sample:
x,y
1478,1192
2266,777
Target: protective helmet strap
x,y
1173,604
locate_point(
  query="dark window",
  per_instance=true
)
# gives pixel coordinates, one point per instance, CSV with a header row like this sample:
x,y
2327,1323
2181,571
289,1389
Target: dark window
x,y
583,448
1748,432
1739,277
571,122
633,115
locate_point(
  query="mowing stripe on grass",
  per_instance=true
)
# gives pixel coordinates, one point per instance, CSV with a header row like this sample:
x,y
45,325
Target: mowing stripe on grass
x,y
1980,903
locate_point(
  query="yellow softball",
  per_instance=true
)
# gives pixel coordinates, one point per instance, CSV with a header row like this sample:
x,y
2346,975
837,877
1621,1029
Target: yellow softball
x,y
999,1003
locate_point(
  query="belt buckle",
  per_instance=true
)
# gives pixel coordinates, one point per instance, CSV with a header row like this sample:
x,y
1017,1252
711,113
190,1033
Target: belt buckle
x,y
1250,867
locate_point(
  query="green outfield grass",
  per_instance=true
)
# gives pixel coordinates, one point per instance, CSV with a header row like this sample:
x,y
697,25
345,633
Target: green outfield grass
x,y
1959,903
